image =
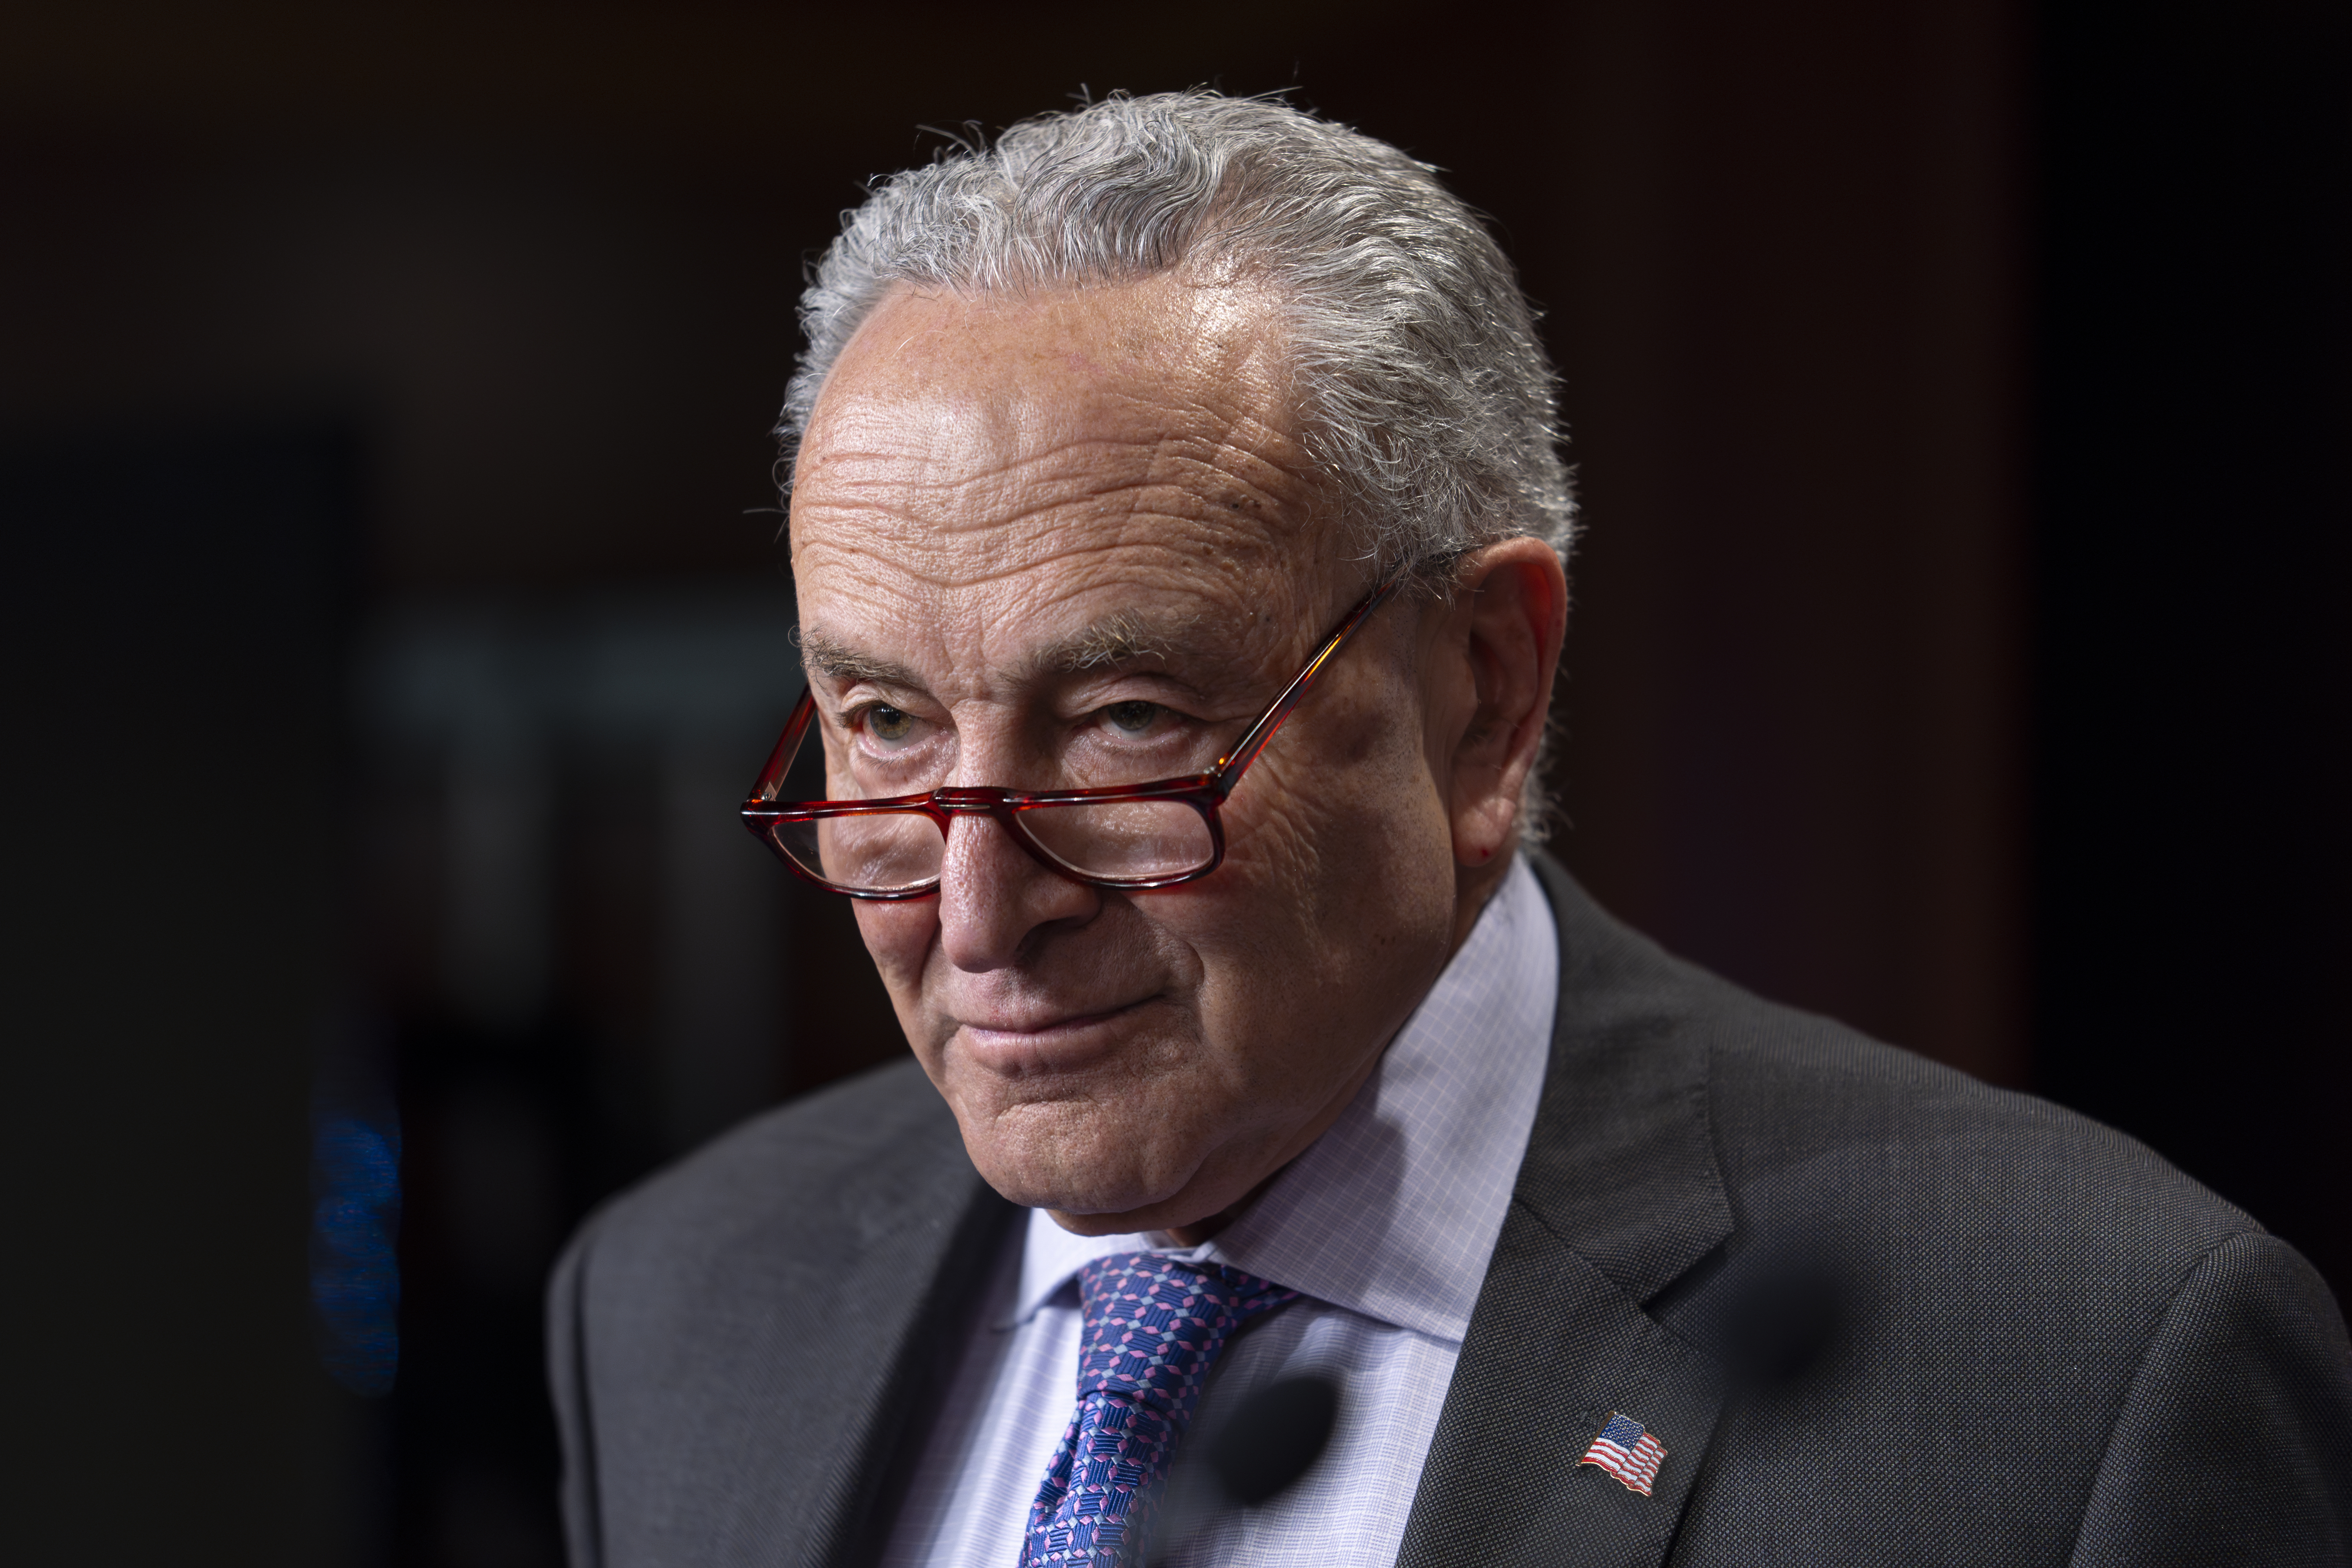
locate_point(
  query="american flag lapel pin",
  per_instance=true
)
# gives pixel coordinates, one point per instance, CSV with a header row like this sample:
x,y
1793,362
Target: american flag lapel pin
x,y
1627,1452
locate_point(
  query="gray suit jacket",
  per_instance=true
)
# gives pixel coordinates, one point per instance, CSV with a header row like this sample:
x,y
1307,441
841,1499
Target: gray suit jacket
x,y
1992,1332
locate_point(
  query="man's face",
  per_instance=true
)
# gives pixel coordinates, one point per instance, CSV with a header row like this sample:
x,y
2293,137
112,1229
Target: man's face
x,y
1069,535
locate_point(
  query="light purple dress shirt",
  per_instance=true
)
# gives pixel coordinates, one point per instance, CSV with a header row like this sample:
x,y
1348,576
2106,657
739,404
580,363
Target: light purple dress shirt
x,y
1386,1223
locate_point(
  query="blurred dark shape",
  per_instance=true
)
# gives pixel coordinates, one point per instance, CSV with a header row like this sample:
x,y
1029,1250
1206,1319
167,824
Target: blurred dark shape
x,y
1272,1438
1782,1323
355,1205
1251,1455
2193,763
503,1139
173,614
354,1271
1772,1309
1785,263
591,968
552,772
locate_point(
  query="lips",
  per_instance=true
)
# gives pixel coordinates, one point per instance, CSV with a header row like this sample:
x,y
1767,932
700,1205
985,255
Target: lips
x,y
1042,1042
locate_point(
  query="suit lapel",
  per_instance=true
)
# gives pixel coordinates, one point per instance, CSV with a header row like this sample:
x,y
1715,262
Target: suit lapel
x,y
912,1296
1619,1195
822,1336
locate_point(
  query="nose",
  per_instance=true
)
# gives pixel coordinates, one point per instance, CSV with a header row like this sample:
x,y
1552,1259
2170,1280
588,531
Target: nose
x,y
995,898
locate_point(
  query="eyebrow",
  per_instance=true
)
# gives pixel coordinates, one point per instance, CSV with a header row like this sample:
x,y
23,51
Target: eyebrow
x,y
821,655
1121,640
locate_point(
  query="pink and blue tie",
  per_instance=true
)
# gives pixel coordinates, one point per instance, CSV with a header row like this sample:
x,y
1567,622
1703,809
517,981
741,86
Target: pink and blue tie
x,y
1154,1326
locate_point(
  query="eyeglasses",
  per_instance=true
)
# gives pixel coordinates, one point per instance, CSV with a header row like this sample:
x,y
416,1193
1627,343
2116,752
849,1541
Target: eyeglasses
x,y
1156,835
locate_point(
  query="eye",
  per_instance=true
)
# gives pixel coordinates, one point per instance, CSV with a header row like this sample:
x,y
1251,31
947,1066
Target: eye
x,y
1132,718
884,723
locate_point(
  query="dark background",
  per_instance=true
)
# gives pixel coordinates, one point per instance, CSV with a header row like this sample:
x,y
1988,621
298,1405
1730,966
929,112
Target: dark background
x,y
1960,394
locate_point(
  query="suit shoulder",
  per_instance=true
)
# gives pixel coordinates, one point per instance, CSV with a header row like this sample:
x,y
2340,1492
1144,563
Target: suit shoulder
x,y
853,1156
1801,1099
727,1338
1805,1113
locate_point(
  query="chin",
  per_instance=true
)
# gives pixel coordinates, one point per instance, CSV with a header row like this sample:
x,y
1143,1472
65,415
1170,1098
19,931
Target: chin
x,y
1081,1193
1090,1168
1106,1142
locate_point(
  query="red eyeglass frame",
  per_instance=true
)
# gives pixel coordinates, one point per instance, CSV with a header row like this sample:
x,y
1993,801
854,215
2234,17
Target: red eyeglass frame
x,y
1204,792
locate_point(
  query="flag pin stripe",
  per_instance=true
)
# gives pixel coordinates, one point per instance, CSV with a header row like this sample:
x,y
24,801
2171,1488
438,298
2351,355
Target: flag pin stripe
x,y
1626,1450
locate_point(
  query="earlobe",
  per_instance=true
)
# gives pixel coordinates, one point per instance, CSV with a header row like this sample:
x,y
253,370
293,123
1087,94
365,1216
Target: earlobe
x,y
1515,598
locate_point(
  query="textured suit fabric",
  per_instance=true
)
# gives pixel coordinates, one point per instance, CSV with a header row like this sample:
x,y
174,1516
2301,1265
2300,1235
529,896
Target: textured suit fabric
x,y
2031,1341
740,1347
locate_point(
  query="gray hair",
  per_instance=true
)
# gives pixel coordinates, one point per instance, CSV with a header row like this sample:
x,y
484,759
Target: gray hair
x,y
1427,396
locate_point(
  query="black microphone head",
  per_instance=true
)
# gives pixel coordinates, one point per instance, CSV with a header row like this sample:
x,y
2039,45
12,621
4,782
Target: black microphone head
x,y
1785,1322
1272,1438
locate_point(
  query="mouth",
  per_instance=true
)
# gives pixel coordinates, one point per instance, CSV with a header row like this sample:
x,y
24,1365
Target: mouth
x,y
1045,1042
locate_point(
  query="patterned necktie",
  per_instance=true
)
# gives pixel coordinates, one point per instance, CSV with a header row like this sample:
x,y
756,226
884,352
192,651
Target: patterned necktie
x,y
1153,1326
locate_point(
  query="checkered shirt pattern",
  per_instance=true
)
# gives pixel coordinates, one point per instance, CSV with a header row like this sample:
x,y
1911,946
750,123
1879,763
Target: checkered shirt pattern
x,y
1154,1325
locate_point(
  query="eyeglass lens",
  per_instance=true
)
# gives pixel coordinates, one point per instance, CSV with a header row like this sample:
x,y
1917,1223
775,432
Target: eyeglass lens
x,y
1137,840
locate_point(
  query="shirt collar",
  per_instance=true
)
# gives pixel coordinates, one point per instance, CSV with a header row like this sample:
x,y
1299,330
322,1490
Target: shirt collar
x,y
1395,1211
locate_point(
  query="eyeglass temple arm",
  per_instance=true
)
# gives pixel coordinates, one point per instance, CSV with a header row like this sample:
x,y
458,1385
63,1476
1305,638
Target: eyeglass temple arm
x,y
1233,764
772,777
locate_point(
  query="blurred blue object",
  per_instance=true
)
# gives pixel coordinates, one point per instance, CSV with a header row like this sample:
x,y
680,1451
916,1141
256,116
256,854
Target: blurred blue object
x,y
354,1266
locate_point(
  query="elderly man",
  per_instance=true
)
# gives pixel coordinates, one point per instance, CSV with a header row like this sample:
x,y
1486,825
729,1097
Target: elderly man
x,y
1179,533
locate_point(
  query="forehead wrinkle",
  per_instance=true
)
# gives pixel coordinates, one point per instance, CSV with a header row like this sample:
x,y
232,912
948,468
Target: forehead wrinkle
x,y
1230,450
1175,475
1179,491
922,446
1112,538
1204,468
1086,562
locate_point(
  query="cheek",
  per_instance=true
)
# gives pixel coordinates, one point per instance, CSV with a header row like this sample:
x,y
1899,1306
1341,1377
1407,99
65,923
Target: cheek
x,y
1350,903
899,936
1329,827
1329,880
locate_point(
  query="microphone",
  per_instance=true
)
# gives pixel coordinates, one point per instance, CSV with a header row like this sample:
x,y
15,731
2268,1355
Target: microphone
x,y
1272,1438
1253,1454
1784,1325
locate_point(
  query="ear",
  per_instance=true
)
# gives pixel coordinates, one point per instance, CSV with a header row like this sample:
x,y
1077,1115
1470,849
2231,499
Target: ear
x,y
1514,607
